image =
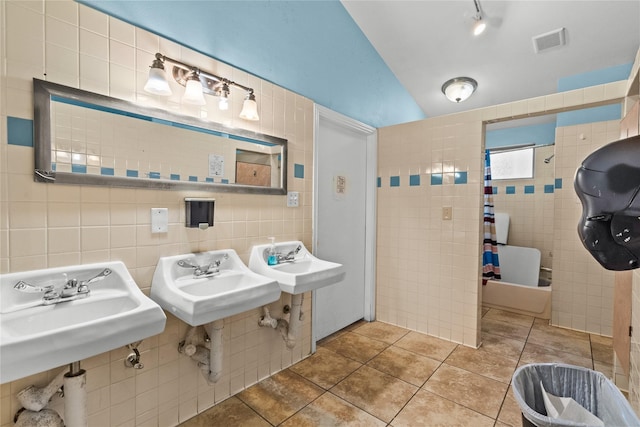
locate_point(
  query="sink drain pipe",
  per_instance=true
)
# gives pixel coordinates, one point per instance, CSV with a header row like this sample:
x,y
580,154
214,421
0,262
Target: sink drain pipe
x,y
34,399
208,355
75,396
290,330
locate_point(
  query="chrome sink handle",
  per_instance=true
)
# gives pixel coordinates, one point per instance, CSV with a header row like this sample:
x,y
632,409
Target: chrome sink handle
x,y
290,256
32,289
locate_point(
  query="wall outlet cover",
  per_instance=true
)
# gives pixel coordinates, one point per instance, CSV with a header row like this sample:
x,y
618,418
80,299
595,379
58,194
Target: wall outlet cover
x,y
293,199
159,220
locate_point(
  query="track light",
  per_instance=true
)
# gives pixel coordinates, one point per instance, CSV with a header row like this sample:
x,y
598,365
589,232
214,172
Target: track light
x,y
480,25
459,88
197,82
249,107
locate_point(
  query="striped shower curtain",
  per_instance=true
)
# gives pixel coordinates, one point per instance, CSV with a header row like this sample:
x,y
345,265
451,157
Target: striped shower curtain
x,y
490,263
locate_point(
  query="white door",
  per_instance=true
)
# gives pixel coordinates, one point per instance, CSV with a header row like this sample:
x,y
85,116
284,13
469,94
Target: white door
x,y
344,231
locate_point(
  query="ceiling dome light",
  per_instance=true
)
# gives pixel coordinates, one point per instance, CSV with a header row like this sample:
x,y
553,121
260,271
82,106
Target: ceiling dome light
x,y
250,107
193,91
459,89
157,83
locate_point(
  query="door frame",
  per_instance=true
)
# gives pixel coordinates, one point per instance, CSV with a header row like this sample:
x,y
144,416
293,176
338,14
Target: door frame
x,y
371,172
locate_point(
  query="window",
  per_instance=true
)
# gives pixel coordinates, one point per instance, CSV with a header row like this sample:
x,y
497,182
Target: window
x,y
512,164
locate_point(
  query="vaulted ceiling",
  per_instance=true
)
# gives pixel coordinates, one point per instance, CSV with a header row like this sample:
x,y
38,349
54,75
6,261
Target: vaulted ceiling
x,y
383,62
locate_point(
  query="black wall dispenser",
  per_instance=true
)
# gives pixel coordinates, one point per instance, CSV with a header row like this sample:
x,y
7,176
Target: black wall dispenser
x,y
199,212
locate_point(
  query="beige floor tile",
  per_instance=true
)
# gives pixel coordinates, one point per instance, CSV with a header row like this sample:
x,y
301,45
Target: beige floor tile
x,y
507,316
510,413
485,310
486,364
280,396
471,390
426,345
405,365
534,353
608,341
326,368
380,394
505,329
602,352
502,346
330,411
356,346
559,340
230,413
605,368
381,331
428,409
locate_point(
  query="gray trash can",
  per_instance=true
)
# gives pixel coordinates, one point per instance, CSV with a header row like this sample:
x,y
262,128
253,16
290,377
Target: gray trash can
x,y
591,389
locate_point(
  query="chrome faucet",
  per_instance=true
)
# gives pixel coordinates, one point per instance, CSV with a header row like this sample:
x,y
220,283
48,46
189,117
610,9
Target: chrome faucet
x,y
71,290
290,256
206,270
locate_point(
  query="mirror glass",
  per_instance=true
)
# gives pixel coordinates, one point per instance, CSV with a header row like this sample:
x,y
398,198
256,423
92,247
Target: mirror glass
x,y
86,138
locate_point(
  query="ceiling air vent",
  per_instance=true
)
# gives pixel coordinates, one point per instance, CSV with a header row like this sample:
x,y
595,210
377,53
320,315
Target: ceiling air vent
x,y
548,40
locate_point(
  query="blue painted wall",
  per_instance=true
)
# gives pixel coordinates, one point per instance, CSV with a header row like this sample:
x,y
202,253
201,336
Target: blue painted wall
x,y
276,41
592,78
543,134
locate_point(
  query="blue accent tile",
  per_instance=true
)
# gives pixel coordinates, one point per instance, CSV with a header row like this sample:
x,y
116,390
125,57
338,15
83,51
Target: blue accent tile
x,y
379,182
132,173
225,181
414,180
511,189
495,190
460,178
298,171
436,179
548,188
558,183
394,181
207,179
79,168
154,175
107,171
193,178
529,189
19,131
174,177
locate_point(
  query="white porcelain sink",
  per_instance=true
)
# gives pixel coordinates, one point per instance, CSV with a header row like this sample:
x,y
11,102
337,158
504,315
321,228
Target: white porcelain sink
x,y
198,297
302,272
36,337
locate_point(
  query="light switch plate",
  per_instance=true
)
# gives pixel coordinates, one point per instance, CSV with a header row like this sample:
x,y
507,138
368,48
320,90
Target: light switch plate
x,y
159,220
293,199
447,213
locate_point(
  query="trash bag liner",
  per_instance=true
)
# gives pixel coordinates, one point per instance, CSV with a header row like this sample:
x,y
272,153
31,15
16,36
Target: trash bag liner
x,y
591,389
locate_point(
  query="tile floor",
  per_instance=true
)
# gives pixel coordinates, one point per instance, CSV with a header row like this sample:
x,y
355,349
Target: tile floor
x,y
376,374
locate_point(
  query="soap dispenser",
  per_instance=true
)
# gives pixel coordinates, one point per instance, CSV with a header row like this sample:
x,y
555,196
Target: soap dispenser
x,y
272,257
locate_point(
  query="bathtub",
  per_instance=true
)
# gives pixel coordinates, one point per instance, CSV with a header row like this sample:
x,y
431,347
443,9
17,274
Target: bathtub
x,y
518,291
530,300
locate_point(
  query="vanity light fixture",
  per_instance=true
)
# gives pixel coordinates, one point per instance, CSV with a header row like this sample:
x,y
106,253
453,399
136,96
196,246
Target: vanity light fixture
x,y
459,89
480,25
249,107
222,92
157,83
198,82
193,91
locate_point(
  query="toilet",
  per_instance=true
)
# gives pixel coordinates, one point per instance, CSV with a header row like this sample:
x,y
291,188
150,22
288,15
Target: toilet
x,y
518,264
